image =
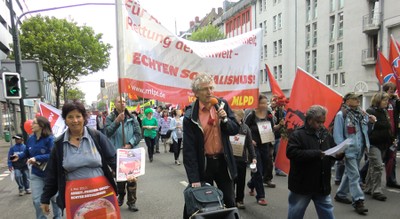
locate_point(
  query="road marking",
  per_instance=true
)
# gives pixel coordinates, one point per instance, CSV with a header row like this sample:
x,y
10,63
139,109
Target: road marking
x,y
4,174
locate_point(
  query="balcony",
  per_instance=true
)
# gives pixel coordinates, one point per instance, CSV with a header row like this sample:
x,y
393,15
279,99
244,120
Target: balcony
x,y
368,57
372,23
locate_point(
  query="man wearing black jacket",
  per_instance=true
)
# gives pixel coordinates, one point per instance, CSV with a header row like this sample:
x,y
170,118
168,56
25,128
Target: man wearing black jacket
x,y
310,168
207,153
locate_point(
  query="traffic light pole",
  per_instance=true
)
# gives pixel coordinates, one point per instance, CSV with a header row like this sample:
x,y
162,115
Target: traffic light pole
x,y
17,49
18,61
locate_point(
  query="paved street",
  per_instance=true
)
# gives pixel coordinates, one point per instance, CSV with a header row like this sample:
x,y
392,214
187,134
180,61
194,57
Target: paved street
x,y
160,196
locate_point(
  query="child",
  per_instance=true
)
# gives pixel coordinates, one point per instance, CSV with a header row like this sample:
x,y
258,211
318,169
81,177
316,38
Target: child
x,y
19,167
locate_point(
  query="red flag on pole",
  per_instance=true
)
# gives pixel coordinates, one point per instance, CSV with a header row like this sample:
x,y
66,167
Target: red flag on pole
x,y
300,100
394,55
138,108
383,70
275,89
394,59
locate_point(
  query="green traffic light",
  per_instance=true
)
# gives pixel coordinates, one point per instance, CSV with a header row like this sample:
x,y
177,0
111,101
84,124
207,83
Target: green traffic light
x,y
11,85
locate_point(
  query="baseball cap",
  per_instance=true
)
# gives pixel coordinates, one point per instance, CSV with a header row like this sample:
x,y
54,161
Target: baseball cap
x,y
17,136
351,95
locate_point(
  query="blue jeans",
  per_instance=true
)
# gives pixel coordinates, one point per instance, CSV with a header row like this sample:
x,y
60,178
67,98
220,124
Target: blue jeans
x,y
298,204
37,184
351,180
22,178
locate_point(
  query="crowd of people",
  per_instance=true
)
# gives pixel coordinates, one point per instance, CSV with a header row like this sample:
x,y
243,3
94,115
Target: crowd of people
x,y
218,145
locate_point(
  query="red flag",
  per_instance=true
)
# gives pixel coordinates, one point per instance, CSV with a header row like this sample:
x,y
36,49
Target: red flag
x,y
300,100
394,55
383,70
275,89
138,108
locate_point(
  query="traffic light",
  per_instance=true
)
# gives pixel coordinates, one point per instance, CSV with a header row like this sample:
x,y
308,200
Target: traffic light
x,y
12,85
102,83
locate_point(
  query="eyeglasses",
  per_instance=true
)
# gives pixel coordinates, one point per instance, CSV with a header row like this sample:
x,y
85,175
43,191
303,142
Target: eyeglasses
x,y
209,88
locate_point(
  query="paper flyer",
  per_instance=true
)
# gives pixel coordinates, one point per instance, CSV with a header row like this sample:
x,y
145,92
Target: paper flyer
x,y
130,162
91,198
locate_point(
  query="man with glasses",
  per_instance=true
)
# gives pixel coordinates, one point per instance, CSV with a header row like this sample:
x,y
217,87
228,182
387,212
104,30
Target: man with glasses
x,y
207,153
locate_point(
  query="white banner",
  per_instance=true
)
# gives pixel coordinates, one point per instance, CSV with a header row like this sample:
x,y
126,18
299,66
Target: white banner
x,y
156,64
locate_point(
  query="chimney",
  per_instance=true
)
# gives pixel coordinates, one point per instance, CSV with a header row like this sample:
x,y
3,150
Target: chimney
x,y
220,11
197,19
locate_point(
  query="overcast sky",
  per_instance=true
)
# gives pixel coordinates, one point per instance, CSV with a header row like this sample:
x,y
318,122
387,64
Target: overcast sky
x,y
102,20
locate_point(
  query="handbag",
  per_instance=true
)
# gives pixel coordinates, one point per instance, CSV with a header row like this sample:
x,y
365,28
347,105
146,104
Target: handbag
x,y
203,199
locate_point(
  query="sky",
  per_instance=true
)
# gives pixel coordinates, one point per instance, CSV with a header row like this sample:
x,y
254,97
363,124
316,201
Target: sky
x,y
102,20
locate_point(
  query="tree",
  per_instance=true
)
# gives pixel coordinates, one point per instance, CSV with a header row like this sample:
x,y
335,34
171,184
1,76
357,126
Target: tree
x,y
102,106
67,50
208,33
74,94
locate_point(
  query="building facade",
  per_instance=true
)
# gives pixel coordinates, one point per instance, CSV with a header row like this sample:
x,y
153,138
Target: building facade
x,y
337,42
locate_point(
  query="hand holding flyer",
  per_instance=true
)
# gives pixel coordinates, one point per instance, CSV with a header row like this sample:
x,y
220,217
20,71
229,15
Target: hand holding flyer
x,y
339,148
130,164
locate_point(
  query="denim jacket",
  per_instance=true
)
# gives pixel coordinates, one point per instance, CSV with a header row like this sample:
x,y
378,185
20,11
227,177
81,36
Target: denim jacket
x,y
359,138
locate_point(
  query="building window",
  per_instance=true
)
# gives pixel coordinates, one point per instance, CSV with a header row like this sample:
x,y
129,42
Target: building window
x,y
331,28
280,47
308,36
265,51
340,26
280,76
308,10
275,23
315,33
262,76
275,48
261,3
314,61
262,54
341,4
340,55
275,72
315,14
328,80
335,79
308,61
333,5
331,57
342,79
265,4
279,21
265,27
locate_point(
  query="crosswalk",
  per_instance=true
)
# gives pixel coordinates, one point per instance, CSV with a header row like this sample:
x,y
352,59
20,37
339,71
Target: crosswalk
x,y
4,174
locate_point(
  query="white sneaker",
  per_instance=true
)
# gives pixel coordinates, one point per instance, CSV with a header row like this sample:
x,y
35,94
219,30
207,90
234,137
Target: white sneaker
x,y
177,162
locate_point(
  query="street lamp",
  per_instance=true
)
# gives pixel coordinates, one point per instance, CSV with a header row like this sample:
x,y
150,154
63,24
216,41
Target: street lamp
x,y
17,49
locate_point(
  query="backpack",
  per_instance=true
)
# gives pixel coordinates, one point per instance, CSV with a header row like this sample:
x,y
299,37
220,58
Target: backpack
x,y
203,199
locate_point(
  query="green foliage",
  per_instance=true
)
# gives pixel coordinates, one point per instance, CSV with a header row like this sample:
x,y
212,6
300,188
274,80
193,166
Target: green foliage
x,y
102,106
208,33
76,94
67,50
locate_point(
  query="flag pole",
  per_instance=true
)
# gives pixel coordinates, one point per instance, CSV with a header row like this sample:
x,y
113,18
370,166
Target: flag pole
x,y
120,55
378,62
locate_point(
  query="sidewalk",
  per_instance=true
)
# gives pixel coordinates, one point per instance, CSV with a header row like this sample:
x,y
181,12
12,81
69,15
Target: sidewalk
x,y
4,147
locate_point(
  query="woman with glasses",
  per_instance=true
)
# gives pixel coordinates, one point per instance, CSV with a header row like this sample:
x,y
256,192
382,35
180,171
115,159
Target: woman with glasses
x,y
38,148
